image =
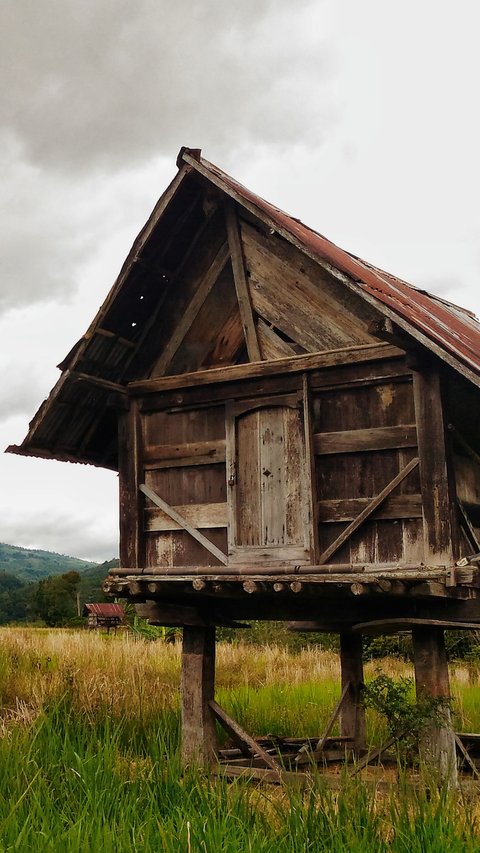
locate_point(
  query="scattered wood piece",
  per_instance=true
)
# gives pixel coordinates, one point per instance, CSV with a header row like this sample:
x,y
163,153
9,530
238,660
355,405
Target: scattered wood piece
x,y
466,756
308,756
246,743
372,756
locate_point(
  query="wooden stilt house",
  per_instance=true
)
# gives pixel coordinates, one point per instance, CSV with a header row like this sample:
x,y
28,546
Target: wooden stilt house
x,y
295,433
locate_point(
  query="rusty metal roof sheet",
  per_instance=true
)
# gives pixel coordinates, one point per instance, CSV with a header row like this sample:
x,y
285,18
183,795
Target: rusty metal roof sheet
x,y
451,327
106,609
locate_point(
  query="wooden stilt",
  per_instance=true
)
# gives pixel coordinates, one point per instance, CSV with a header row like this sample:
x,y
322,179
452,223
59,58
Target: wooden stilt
x,y
353,711
199,739
431,679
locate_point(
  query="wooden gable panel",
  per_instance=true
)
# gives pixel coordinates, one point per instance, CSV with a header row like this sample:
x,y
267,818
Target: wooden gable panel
x,y
216,336
297,296
187,291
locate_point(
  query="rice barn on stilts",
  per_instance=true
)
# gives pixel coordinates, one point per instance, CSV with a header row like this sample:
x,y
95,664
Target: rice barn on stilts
x,y
295,433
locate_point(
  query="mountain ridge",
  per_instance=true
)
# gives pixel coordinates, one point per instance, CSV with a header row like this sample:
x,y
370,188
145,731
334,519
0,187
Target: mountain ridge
x,y
33,564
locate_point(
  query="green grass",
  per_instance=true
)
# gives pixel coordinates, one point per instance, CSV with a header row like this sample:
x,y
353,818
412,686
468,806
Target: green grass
x,y
89,759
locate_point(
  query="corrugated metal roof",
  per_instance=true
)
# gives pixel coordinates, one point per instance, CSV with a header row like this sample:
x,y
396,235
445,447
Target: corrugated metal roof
x,y
106,609
451,327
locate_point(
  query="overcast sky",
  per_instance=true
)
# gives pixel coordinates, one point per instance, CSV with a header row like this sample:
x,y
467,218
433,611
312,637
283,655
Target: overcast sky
x,y
361,118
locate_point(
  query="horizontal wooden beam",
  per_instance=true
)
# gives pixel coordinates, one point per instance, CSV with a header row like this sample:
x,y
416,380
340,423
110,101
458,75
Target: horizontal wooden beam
x,y
278,572
392,626
247,744
158,456
358,440
293,364
396,506
97,382
203,516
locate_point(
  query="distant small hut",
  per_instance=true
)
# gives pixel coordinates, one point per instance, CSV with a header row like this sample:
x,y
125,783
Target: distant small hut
x,y
104,615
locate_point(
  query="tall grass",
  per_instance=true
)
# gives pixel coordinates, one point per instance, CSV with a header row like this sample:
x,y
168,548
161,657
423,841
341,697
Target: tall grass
x,y
89,757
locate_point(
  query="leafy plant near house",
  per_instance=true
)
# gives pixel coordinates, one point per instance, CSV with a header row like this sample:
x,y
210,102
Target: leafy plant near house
x,y
406,715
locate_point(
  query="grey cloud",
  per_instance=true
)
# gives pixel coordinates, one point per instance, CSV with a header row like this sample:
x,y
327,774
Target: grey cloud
x,y
101,83
85,538
41,242
21,397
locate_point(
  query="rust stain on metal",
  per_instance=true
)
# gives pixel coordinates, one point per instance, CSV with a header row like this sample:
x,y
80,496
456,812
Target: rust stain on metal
x,y
450,326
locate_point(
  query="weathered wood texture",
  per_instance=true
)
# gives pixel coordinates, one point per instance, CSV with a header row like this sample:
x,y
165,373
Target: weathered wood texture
x,y
436,486
241,286
295,295
176,443
364,437
199,737
130,444
266,467
353,710
431,679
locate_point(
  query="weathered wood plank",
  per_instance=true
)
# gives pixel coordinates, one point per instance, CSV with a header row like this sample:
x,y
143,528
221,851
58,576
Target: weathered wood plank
x,y
282,366
296,295
163,505
437,504
253,555
129,469
247,744
271,344
241,286
192,310
346,509
205,452
305,756
392,626
198,515
357,440
369,509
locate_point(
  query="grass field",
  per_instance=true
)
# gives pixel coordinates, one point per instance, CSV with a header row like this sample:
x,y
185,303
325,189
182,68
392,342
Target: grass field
x,y
89,755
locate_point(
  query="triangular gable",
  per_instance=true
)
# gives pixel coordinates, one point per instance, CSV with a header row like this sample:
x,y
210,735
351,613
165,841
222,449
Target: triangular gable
x,y
218,276
447,330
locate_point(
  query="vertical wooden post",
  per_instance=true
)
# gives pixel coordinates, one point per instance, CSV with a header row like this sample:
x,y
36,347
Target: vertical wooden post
x,y
130,470
353,711
431,679
437,498
199,738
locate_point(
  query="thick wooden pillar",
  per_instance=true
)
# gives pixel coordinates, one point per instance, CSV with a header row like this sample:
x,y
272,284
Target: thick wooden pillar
x,y
353,711
199,739
437,746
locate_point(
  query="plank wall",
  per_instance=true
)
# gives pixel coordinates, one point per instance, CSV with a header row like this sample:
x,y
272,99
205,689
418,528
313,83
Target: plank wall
x,y
363,437
345,435
185,464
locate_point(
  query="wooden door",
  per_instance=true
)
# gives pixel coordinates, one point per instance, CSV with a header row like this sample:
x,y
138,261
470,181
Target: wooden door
x,y
268,492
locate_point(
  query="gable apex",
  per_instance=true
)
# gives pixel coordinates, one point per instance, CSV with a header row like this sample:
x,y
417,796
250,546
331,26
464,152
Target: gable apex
x,y
195,293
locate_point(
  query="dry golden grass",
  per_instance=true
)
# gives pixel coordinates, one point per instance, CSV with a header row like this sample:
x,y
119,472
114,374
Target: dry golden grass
x,y
127,675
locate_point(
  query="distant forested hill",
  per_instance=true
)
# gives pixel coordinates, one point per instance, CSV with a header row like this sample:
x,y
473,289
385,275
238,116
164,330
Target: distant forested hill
x,y
24,573
29,565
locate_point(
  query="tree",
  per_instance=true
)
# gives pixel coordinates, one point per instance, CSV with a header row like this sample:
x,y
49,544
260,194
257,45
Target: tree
x,y
54,600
